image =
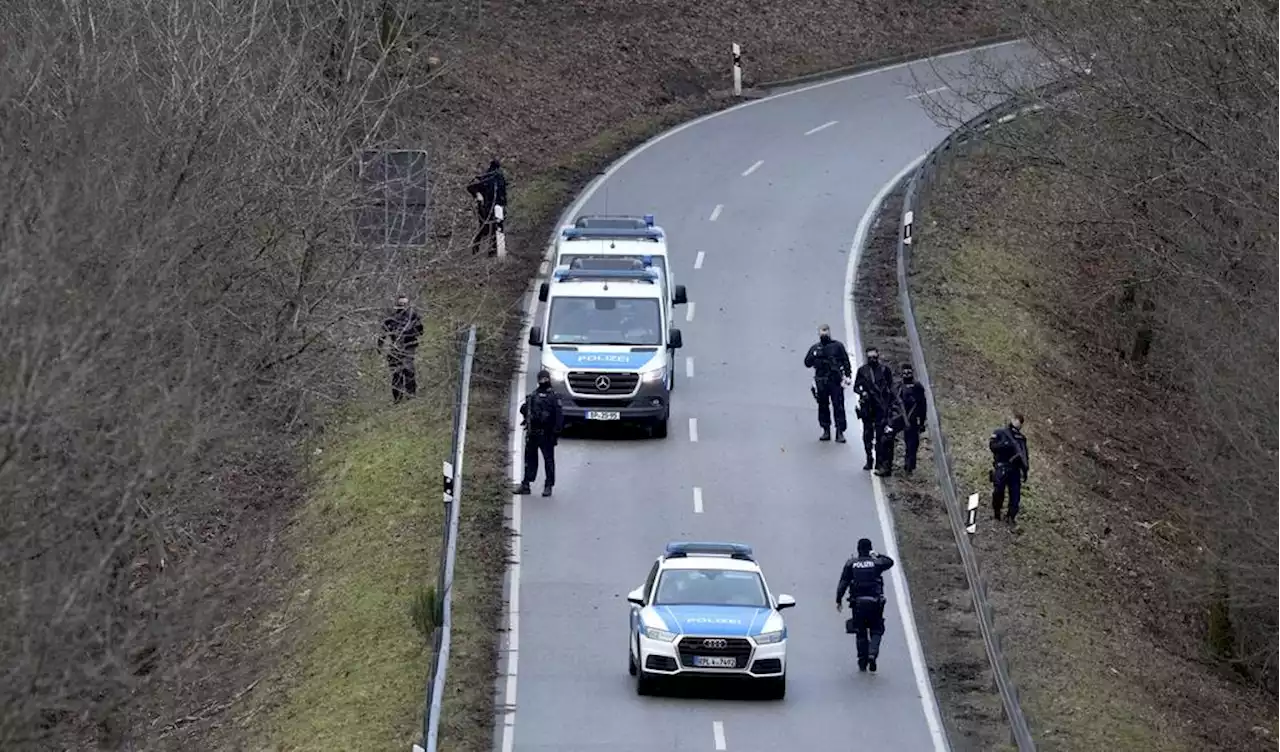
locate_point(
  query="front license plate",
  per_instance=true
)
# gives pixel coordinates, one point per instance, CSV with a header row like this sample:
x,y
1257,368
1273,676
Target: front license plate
x,y
604,415
715,661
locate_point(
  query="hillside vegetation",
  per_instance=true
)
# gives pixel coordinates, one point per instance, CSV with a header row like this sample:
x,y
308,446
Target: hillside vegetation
x,y
211,529
1109,267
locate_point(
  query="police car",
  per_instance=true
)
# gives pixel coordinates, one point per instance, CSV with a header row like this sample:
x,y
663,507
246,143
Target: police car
x,y
706,611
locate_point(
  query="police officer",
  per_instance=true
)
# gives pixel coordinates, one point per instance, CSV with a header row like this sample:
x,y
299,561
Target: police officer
x,y
874,387
401,331
542,413
490,192
862,579
831,370
910,405
1010,465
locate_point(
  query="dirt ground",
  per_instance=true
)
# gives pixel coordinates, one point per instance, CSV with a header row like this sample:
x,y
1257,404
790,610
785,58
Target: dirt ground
x,y
1087,589
557,90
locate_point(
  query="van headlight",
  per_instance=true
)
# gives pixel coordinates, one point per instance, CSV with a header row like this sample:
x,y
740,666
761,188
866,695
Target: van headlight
x,y
557,374
654,376
769,638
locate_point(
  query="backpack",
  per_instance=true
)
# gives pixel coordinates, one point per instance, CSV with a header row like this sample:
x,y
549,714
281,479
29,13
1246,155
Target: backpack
x,y
540,413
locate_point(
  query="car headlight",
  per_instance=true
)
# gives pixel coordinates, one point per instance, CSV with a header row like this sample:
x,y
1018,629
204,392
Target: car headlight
x,y
653,633
769,638
656,375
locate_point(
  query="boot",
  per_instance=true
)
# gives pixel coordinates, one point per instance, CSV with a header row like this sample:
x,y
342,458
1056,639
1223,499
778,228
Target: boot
x,y
884,472
840,437
826,434
870,461
871,665
546,490
862,664
523,489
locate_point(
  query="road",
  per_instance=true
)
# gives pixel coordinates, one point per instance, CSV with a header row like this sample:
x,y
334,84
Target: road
x,y
764,207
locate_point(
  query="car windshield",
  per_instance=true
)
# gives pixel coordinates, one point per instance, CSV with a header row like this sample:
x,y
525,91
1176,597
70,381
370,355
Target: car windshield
x,y
604,321
710,587
659,262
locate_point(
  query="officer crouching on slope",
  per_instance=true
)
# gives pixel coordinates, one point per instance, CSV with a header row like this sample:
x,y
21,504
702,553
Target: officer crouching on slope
x,y
544,417
831,370
861,577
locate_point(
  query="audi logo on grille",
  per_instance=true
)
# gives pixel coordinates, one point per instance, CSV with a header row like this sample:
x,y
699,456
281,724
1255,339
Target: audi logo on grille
x,y
715,644
602,383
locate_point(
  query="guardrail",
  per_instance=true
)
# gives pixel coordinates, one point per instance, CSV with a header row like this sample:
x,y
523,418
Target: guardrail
x,y
448,550
923,177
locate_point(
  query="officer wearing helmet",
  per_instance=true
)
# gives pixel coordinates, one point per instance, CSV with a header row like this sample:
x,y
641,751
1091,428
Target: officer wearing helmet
x,y
862,579
544,420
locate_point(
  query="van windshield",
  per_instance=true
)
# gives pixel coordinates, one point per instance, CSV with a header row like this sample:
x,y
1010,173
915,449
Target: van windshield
x,y
604,321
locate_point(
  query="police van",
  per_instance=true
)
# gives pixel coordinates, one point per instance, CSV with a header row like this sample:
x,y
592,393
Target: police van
x,y
621,237
607,344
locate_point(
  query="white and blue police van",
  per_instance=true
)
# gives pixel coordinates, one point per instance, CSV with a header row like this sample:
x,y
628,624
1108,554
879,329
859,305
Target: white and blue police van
x,y
706,611
620,237
608,345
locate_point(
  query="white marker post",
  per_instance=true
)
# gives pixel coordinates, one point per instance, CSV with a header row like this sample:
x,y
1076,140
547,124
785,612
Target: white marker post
x,y
971,515
448,482
907,220
737,70
499,233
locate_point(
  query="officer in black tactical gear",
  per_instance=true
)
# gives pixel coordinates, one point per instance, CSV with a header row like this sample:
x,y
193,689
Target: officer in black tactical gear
x,y
862,577
545,419
831,371
1010,465
910,405
874,386
490,192
401,332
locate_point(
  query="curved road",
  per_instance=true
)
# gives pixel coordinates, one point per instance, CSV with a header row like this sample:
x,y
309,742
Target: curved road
x,y
764,209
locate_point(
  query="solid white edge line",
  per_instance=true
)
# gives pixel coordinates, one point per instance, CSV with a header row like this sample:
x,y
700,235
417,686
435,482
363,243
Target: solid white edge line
x,y
822,127
697,500
688,366
697,261
752,168
715,213
927,700
693,429
717,730
688,311
529,308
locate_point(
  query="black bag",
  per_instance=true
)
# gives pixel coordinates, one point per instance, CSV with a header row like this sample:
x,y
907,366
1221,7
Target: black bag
x,y
850,626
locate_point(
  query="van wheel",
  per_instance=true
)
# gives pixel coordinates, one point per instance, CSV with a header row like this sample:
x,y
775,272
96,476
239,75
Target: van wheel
x,y
659,429
671,372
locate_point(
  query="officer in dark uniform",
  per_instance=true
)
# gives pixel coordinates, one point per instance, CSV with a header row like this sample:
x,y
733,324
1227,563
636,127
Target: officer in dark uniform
x,y
874,386
910,405
401,332
543,415
831,368
862,579
489,190
1010,465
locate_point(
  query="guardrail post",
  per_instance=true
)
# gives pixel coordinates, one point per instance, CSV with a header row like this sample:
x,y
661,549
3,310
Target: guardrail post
x,y
737,70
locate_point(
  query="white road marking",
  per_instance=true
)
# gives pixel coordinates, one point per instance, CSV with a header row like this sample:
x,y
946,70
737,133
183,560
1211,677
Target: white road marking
x,y
717,729
752,168
521,376
903,596
688,367
688,314
697,260
930,91
716,212
822,127
697,500
693,429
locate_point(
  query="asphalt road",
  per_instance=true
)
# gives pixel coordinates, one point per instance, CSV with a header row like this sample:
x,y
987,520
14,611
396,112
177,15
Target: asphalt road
x,y
761,205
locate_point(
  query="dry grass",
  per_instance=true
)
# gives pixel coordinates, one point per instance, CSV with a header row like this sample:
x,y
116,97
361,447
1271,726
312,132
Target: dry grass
x,y
1085,590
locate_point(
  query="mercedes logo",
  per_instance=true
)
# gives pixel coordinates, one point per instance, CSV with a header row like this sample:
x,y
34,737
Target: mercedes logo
x,y
715,644
602,383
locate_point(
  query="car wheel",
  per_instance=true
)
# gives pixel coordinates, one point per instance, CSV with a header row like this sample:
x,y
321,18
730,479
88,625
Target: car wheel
x,y
776,689
631,662
659,429
645,684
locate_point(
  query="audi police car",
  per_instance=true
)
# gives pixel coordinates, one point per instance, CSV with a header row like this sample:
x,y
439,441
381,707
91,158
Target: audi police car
x,y
706,611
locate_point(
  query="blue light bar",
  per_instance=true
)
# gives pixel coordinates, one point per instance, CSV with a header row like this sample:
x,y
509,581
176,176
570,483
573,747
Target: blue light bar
x,y
612,233
648,220
681,549
563,273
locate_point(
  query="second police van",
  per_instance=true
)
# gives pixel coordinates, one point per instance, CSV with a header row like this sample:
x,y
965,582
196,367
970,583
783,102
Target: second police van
x,y
607,341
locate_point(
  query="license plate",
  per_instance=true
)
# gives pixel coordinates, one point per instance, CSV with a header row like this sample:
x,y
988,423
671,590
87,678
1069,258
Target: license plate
x,y
715,661
604,415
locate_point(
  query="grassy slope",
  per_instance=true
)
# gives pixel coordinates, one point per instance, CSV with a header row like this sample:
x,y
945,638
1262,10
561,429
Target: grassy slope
x,y
346,667
1081,589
